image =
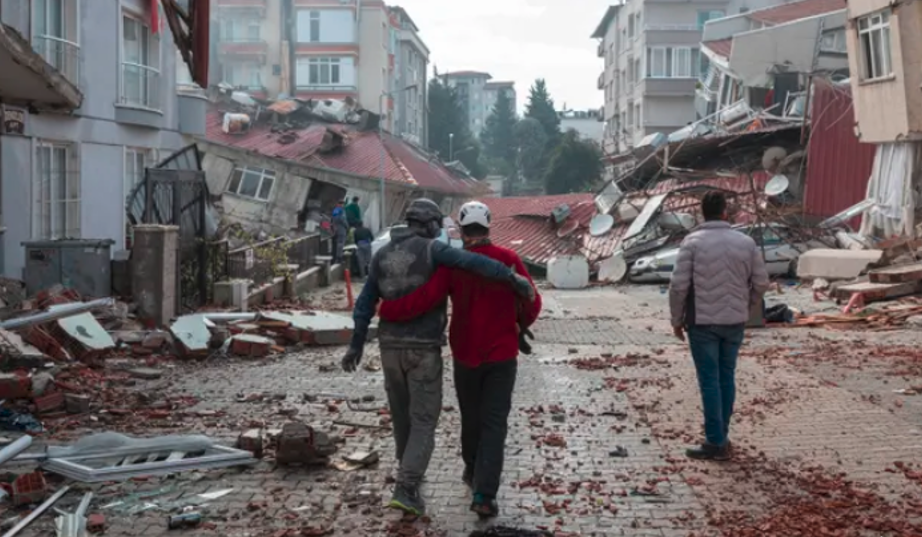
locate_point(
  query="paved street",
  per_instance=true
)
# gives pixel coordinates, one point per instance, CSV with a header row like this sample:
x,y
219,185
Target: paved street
x,y
824,444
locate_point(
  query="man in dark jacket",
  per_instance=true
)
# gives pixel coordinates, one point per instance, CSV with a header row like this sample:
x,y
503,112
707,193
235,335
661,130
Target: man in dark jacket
x,y
485,325
340,231
363,239
411,353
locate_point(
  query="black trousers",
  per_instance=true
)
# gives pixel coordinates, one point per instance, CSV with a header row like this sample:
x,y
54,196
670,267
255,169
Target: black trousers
x,y
485,399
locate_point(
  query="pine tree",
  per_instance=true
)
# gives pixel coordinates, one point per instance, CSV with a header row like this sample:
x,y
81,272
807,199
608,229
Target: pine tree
x,y
498,136
531,144
541,107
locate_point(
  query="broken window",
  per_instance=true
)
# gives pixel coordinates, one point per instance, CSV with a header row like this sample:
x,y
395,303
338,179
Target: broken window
x,y
252,182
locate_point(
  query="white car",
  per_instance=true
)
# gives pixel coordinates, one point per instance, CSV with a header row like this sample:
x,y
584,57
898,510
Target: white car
x,y
449,236
780,255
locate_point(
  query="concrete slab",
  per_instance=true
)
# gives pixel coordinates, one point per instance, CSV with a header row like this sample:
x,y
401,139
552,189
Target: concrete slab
x,y
317,328
877,291
905,273
87,330
835,264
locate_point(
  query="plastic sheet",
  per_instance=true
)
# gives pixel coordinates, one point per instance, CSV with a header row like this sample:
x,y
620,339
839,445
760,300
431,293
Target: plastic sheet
x,y
115,443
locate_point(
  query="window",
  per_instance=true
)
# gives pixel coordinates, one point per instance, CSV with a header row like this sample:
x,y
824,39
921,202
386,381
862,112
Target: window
x,y
57,191
240,30
637,70
630,116
136,161
704,16
834,41
681,62
55,35
630,26
637,118
874,40
323,71
140,65
253,183
315,27
671,62
243,75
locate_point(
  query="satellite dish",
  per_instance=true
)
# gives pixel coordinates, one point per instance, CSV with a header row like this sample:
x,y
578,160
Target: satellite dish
x,y
601,224
567,228
777,185
772,158
613,269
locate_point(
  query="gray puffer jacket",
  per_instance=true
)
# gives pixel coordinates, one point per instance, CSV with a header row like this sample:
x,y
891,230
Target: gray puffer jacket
x,y
719,275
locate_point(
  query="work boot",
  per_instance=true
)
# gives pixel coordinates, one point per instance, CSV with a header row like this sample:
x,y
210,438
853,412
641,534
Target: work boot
x,y
709,452
407,499
484,506
468,477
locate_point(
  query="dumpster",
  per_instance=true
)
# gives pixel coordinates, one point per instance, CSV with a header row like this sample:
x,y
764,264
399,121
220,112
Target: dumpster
x,y
80,264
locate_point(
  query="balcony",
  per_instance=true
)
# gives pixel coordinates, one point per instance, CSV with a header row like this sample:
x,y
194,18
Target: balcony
x,y
601,83
668,87
601,50
61,54
243,47
252,4
29,79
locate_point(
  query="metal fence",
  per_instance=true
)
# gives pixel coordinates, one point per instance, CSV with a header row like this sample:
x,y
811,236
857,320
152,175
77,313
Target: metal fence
x,y
260,262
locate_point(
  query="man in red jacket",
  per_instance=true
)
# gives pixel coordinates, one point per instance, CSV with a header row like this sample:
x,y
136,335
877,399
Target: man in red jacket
x,y
485,324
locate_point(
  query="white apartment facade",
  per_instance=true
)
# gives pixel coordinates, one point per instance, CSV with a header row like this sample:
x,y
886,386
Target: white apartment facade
x,y
327,49
67,174
588,123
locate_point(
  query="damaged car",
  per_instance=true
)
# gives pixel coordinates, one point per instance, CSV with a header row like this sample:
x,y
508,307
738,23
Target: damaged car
x,y
781,254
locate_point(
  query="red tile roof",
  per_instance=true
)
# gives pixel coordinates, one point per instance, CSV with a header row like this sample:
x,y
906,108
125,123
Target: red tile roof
x,y
796,11
721,47
361,155
524,224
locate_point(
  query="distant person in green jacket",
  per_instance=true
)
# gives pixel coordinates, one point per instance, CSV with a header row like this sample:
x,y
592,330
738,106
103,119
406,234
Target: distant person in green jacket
x,y
354,212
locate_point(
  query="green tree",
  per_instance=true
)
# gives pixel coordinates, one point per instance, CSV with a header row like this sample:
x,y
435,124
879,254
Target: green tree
x,y
531,143
498,138
540,106
576,164
446,118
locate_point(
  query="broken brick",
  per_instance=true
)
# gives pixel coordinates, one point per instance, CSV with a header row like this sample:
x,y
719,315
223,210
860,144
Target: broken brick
x,y
14,386
96,523
49,402
29,488
76,404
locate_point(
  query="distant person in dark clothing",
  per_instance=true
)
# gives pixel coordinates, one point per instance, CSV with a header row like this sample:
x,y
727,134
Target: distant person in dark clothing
x,y
354,213
363,238
340,231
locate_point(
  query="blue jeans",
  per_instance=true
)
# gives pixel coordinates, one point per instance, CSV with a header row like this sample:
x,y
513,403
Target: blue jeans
x,y
714,350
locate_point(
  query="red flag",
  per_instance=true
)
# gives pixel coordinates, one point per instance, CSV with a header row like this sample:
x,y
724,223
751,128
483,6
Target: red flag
x,y
155,16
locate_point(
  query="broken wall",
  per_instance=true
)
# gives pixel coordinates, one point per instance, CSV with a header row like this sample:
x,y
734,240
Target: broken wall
x,y
277,215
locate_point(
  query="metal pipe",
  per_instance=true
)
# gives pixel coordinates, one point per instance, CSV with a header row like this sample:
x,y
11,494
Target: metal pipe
x,y
58,312
37,512
17,447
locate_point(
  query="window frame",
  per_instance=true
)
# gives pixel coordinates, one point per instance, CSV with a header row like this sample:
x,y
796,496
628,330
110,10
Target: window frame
x,y
238,175
149,81
314,17
48,199
868,64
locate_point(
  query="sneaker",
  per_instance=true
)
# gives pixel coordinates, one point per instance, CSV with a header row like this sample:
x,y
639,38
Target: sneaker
x,y
468,477
407,499
484,506
709,452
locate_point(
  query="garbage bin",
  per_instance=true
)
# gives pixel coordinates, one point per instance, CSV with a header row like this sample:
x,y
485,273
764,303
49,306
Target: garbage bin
x,y
80,264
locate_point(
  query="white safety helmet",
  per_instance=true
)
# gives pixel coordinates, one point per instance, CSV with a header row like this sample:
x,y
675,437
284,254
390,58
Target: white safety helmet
x,y
474,212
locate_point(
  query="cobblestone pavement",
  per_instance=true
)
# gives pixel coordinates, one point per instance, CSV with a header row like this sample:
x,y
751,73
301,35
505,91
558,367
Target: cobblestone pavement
x,y
816,408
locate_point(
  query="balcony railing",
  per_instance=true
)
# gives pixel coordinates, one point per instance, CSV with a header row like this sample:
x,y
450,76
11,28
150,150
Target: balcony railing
x,y
325,88
140,86
61,54
672,27
243,46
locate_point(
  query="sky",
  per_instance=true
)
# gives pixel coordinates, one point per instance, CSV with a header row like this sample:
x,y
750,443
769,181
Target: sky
x,y
518,40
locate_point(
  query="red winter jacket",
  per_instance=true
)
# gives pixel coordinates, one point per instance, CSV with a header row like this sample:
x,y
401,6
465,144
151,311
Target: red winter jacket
x,y
484,317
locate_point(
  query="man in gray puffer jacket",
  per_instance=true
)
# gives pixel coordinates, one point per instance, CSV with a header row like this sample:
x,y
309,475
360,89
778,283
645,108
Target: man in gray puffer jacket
x,y
719,276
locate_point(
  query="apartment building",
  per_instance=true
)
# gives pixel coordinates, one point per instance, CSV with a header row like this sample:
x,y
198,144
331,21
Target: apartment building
x,y
478,95
588,123
316,49
652,65
884,43
66,172
247,45
411,80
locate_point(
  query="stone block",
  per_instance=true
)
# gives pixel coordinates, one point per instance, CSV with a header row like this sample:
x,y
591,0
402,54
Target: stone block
x,y
251,441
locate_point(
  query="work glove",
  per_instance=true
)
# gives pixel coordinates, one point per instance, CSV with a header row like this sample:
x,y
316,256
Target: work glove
x,y
523,287
524,345
351,359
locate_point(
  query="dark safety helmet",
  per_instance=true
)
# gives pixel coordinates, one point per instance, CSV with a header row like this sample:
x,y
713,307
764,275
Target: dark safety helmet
x,y
424,211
